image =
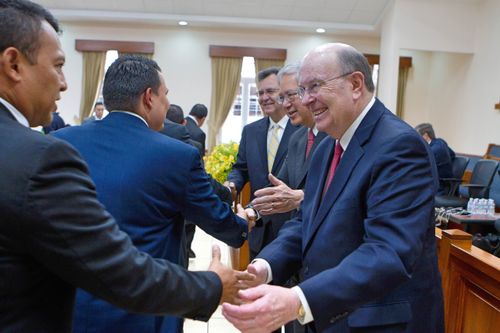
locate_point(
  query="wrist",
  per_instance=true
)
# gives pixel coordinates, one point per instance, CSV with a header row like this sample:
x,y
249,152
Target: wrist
x,y
256,212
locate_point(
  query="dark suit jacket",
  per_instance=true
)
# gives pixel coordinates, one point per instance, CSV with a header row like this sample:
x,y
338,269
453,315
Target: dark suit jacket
x,y
367,249
149,182
251,165
196,133
294,169
180,132
444,157
55,235
56,123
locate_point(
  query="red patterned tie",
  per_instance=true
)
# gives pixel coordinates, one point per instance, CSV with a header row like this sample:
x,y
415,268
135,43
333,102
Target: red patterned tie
x,y
310,141
335,161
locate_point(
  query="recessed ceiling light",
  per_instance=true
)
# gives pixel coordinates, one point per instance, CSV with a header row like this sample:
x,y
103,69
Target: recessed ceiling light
x,y
320,31
183,23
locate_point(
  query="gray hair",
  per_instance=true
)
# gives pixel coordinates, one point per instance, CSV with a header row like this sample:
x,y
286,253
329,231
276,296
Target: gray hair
x,y
351,60
289,69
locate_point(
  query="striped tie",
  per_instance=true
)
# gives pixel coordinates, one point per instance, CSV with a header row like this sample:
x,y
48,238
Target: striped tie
x,y
274,142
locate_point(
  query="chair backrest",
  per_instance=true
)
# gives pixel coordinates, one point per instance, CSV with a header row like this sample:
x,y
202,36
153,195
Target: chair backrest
x,y
457,169
483,173
459,165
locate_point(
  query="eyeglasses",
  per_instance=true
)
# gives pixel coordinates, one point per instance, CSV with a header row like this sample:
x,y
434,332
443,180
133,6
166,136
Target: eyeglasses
x,y
314,88
268,92
288,96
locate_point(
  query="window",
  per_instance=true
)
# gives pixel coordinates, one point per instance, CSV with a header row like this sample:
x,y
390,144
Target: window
x,y
245,108
111,56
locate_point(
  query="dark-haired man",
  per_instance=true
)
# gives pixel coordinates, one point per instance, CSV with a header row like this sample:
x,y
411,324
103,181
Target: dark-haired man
x,y
443,154
55,235
148,181
97,113
194,121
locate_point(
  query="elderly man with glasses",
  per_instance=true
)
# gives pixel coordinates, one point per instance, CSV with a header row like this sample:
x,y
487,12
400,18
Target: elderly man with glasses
x,y
262,150
364,236
287,192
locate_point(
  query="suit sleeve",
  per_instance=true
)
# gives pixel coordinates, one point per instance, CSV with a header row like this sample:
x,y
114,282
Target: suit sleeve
x,y
77,240
221,191
206,210
284,254
397,223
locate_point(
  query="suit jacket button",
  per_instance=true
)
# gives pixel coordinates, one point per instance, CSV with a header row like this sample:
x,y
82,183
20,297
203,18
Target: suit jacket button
x,y
306,270
244,234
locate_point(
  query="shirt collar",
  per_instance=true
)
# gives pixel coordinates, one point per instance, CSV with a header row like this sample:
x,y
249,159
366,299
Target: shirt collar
x,y
346,138
132,114
315,131
282,123
20,118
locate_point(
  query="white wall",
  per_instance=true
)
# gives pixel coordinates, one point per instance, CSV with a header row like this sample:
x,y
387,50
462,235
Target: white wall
x,y
455,79
183,55
454,82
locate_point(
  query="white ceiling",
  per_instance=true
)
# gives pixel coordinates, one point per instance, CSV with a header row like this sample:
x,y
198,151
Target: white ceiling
x,y
336,16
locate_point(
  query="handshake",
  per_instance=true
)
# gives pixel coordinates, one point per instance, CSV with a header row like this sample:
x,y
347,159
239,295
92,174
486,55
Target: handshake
x,y
249,303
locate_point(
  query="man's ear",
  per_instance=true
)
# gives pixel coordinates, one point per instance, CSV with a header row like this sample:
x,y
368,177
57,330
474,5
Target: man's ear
x,y
10,62
147,99
358,83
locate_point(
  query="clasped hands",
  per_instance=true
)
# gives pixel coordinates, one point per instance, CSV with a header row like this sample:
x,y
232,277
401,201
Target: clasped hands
x,y
263,308
246,213
278,198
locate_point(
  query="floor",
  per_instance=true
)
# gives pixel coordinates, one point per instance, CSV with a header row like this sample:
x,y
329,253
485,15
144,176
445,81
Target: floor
x,y
202,246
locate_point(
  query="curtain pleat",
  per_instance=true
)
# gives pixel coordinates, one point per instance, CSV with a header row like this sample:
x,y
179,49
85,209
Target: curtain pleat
x,y
93,72
226,76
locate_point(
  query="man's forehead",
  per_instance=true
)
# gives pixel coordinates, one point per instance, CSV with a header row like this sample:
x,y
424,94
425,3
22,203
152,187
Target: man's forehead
x,y
288,81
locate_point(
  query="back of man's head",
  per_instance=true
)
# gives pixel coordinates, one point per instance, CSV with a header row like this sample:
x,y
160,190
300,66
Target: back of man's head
x,y
175,114
426,128
263,74
20,26
199,111
126,79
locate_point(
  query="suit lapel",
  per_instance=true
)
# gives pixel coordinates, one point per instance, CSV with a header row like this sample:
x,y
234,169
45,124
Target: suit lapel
x,y
282,148
300,166
261,141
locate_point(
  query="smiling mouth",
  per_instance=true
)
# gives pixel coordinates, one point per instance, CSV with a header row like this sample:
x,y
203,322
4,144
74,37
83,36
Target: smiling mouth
x,y
319,112
292,113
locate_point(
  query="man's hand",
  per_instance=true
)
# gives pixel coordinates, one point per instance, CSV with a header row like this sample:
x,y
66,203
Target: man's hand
x,y
265,309
232,189
232,281
259,270
277,199
248,214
